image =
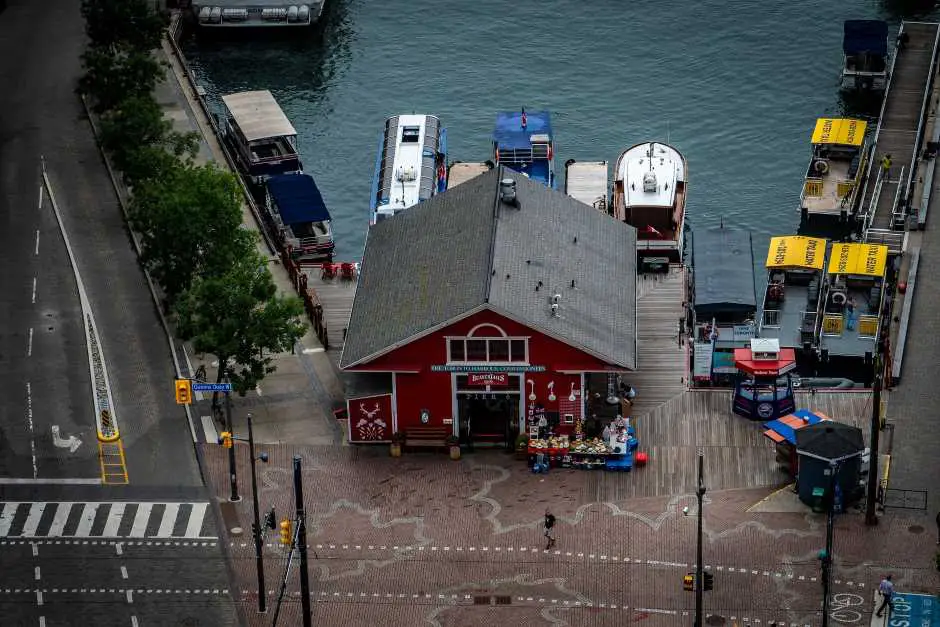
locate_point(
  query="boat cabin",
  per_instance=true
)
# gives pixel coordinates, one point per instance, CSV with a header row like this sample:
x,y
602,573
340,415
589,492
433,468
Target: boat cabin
x,y
791,305
261,137
296,210
524,142
411,165
854,300
865,55
834,175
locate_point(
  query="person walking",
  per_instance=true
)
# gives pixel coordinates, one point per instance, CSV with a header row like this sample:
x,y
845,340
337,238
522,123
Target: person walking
x,y
549,530
886,165
886,588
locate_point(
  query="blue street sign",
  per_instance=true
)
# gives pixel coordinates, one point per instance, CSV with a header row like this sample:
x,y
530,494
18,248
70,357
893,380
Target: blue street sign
x,y
915,610
212,387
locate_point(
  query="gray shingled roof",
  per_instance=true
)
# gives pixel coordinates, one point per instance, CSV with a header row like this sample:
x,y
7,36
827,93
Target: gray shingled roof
x,y
464,250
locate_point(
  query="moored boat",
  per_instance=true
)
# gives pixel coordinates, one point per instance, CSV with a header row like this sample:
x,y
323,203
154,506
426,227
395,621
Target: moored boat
x,y
649,193
834,176
261,138
297,213
524,142
411,165
865,55
256,13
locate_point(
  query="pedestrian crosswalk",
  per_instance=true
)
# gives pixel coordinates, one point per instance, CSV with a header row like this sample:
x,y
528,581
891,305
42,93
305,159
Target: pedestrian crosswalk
x,y
105,520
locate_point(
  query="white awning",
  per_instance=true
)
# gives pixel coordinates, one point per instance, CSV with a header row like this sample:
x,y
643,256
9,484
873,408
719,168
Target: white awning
x,y
258,115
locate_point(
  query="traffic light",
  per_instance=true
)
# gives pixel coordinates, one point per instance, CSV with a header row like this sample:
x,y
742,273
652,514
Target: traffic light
x,y
184,392
688,582
225,439
287,532
709,581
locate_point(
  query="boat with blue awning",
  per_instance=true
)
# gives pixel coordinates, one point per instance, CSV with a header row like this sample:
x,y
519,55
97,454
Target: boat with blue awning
x,y
865,55
523,141
298,215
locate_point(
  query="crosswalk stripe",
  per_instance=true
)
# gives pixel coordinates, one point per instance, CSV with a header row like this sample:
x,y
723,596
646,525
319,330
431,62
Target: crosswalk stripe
x,y
58,521
32,521
169,520
7,512
141,520
114,520
87,520
195,520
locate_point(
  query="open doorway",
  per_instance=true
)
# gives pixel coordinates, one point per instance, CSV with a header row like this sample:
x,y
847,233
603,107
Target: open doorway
x,y
489,413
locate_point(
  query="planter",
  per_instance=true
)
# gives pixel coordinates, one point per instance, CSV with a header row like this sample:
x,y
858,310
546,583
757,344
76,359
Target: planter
x,y
394,449
455,451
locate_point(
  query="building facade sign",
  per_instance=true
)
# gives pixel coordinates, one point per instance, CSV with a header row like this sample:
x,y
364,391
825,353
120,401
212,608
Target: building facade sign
x,y
481,379
486,368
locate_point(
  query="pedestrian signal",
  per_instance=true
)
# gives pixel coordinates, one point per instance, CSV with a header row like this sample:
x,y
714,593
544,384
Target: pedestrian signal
x,y
688,582
225,439
287,532
709,581
184,392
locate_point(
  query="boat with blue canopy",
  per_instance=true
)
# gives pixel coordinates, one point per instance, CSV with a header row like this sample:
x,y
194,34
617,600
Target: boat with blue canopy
x,y
865,55
295,211
523,141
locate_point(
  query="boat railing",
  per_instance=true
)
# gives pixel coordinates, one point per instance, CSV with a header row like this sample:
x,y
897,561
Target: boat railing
x,y
770,318
317,244
868,326
516,155
808,327
813,187
844,188
832,324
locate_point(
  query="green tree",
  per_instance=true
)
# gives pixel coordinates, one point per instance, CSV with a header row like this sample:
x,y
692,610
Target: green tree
x,y
142,143
110,79
189,222
239,317
112,24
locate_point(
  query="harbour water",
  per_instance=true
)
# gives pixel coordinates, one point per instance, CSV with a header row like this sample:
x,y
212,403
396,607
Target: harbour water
x,y
735,84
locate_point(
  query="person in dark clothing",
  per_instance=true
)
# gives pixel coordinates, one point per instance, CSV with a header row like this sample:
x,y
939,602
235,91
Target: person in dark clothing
x,y
549,529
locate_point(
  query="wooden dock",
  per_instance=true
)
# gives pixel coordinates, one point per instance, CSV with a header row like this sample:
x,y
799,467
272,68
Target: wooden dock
x,y
335,294
737,455
460,172
661,355
586,181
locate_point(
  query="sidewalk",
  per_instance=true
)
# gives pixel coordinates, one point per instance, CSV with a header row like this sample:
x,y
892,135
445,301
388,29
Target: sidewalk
x,y
295,403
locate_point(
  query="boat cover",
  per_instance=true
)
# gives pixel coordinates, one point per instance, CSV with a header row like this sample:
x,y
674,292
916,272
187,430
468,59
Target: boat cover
x,y
724,271
510,134
297,198
862,36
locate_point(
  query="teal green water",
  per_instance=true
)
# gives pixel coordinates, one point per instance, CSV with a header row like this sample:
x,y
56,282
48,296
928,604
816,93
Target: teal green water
x,y
736,85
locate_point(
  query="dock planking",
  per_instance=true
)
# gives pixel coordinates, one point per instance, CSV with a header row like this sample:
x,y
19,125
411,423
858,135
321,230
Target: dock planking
x,y
461,172
336,295
586,181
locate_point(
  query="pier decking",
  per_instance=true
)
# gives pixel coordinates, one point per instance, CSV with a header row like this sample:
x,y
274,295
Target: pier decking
x,y
899,132
587,181
335,294
462,172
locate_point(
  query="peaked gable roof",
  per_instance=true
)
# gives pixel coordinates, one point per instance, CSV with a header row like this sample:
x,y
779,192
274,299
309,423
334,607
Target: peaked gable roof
x,y
465,250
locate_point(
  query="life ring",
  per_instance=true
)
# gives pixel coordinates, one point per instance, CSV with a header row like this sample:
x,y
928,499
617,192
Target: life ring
x,y
821,167
776,291
441,172
838,298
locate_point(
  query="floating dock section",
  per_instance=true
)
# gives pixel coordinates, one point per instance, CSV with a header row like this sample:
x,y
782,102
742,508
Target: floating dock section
x,y
586,181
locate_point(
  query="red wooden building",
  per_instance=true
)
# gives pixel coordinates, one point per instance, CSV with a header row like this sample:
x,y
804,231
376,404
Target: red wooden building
x,y
490,303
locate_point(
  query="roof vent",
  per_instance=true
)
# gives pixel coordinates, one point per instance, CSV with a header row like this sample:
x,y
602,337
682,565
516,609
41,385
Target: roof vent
x,y
556,298
649,182
555,310
507,191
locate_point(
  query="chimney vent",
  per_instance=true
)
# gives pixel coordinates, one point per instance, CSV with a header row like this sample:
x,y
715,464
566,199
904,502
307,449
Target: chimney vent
x,y
507,191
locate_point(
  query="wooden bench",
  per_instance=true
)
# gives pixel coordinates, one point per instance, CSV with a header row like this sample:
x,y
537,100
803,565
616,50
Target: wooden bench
x,y
426,437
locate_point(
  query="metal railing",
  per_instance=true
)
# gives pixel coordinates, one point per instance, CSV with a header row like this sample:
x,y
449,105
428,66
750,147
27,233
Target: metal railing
x,y
867,326
873,205
770,318
832,324
897,208
844,188
813,187
924,107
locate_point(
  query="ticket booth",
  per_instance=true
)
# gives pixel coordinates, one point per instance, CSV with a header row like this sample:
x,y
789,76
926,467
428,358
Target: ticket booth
x,y
764,389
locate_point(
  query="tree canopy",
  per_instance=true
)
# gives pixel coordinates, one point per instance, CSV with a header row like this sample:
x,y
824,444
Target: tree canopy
x,y
112,78
239,317
112,24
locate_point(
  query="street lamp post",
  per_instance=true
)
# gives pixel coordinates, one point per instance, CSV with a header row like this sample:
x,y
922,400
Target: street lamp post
x,y
699,567
256,528
233,476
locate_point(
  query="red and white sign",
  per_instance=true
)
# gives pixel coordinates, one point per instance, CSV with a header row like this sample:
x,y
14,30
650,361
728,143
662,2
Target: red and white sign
x,y
488,378
370,419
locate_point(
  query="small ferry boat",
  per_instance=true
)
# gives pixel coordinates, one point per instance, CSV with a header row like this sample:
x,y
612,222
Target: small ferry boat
x,y
854,303
256,13
833,181
649,193
524,142
587,181
259,135
411,164
865,55
297,213
791,305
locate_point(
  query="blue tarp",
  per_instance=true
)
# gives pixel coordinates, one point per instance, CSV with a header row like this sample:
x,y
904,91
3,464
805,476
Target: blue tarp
x,y
509,133
297,198
869,36
787,431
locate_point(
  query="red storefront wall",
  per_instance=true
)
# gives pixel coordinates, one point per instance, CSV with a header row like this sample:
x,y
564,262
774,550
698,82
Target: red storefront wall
x,y
417,387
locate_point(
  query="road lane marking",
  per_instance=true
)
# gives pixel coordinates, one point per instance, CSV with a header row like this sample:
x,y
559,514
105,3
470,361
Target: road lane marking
x,y
40,195
35,550
39,598
29,420
169,520
195,520
61,517
29,343
36,574
34,290
130,596
114,520
42,621
140,520
124,572
50,481
88,519
32,520
208,427
134,621
37,243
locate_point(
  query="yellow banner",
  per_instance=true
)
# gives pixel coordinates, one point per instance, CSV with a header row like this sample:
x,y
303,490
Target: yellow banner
x,y
796,251
844,132
858,259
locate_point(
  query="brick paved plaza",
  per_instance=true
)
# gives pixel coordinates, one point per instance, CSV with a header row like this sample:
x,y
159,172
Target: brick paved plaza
x,y
425,540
